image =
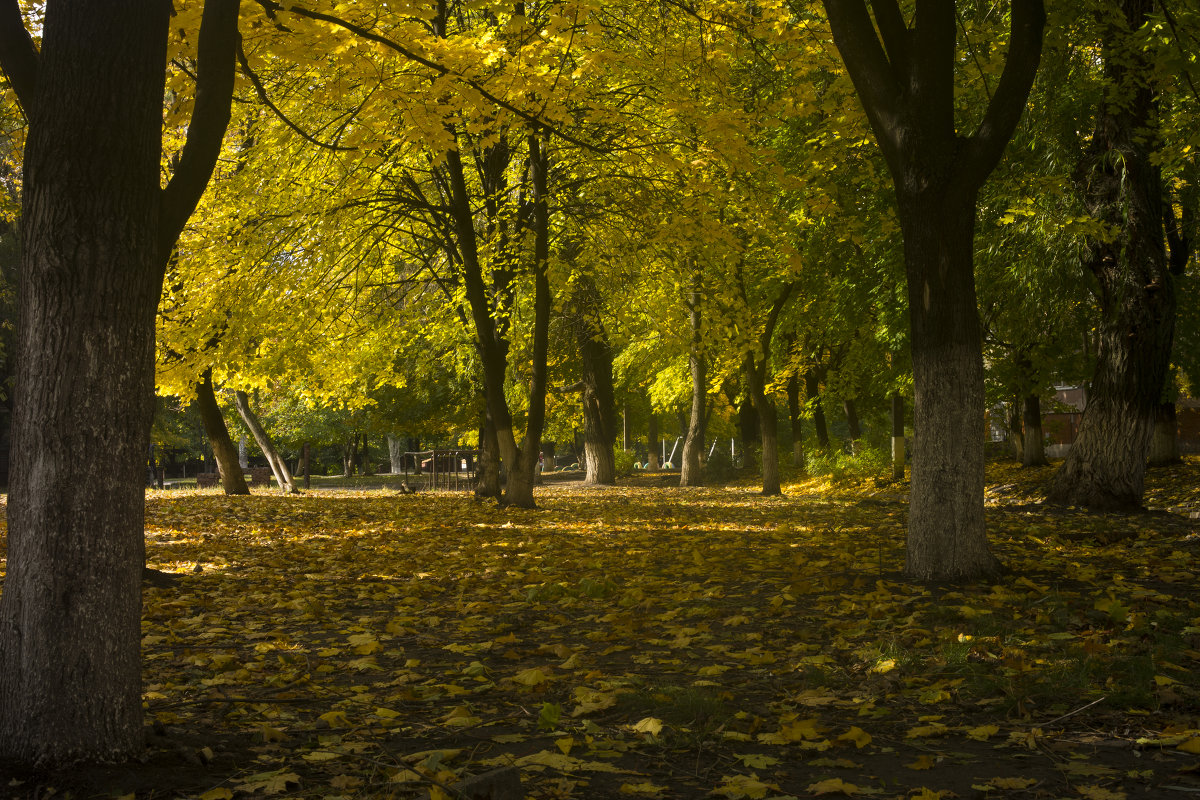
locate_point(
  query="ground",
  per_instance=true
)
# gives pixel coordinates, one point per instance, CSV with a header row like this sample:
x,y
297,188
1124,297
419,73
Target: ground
x,y
647,641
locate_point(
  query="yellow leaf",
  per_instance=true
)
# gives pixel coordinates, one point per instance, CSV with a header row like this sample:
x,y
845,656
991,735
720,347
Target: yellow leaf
x,y
649,725
1191,745
335,719
982,732
927,794
833,786
1099,793
269,734
530,677
1012,783
857,735
737,787
219,793
565,744
922,762
642,789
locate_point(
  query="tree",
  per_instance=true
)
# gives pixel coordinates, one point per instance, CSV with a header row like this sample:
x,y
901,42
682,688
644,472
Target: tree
x,y
904,75
97,233
233,480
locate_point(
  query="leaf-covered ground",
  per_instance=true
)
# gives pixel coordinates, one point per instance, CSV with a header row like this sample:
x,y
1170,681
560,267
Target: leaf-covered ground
x,y
650,641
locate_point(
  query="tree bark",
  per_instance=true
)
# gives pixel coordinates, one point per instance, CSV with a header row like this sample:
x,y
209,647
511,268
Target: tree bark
x,y
904,75
488,474
898,455
812,388
279,467
1033,449
1016,436
1105,468
768,426
795,418
691,471
396,454
852,422
1164,445
97,231
596,391
233,481
652,445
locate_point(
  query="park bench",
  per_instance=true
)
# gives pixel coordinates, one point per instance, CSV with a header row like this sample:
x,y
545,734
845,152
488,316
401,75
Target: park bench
x,y
255,476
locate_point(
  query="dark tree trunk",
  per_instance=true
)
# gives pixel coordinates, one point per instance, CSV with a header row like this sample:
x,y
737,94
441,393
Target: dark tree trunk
x,y
1033,450
652,445
768,425
1164,446
904,74
548,458
349,455
1106,465
1016,437
796,420
812,388
488,475
364,458
279,467
306,460
748,427
233,481
852,422
691,471
97,232
599,414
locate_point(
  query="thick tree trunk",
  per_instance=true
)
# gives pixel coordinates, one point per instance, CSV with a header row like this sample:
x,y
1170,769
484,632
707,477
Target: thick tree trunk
x,y
548,458
396,454
488,474
812,388
1033,450
796,420
652,445
1016,436
691,471
1164,445
279,467
599,413
1105,467
233,481
946,535
97,232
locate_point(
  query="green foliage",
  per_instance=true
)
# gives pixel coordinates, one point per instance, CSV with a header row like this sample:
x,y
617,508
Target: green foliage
x,y
624,462
838,465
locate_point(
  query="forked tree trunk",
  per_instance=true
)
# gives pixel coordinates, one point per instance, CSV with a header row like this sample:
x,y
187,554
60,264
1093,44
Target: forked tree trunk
x,y
279,467
1105,468
233,481
97,232
1164,445
1033,449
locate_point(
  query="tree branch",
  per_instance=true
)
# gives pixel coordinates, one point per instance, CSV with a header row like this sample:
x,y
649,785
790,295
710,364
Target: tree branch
x,y
895,35
18,56
877,84
217,45
985,147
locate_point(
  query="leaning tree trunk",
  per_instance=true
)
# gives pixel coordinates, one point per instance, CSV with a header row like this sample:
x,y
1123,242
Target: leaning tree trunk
x,y
691,472
1106,465
233,481
97,231
278,465
1033,448
1164,445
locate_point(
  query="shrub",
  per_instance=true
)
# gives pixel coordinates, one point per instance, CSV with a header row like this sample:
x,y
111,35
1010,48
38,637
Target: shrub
x,y
624,461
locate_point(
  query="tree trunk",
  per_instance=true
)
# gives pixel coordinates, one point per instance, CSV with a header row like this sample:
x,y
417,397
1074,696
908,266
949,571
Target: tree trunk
x,y
794,417
233,481
898,454
1105,468
1016,437
749,428
488,474
396,454
1033,450
548,460
1164,446
307,461
97,231
599,417
691,472
852,422
904,74
813,389
279,467
946,535
768,426
652,445
364,458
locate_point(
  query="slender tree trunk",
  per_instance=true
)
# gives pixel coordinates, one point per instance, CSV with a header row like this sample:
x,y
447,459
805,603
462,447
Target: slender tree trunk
x,y
812,388
691,472
97,231
364,457
1016,437
768,425
1164,446
898,454
1033,450
1105,468
307,461
224,450
278,465
548,450
794,417
652,445
749,428
852,422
